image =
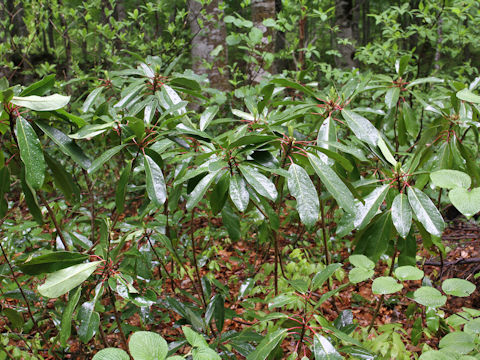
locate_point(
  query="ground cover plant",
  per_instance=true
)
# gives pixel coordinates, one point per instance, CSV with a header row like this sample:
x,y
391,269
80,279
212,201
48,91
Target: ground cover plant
x,y
148,214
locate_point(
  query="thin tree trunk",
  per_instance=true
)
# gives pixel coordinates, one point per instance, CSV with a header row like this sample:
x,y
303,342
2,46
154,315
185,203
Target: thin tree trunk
x,y
279,64
344,22
206,38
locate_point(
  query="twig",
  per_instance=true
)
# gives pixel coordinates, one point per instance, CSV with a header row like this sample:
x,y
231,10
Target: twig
x,y
54,219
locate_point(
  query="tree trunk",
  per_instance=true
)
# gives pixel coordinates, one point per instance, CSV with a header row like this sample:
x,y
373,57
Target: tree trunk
x,y
206,38
261,10
279,64
344,21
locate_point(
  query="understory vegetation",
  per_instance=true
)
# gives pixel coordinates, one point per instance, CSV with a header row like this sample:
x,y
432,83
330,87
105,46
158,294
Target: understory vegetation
x,y
316,199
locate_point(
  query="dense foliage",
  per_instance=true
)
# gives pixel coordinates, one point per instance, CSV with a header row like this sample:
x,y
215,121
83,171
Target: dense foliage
x,y
147,213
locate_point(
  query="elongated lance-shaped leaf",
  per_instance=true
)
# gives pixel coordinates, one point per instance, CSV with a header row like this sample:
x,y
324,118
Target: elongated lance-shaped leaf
x,y
121,189
41,103
62,281
89,321
303,190
391,97
238,192
267,345
426,212
361,127
91,98
207,116
156,188
31,153
324,350
326,134
102,159
402,215
333,184
66,324
259,182
365,212
66,144
199,191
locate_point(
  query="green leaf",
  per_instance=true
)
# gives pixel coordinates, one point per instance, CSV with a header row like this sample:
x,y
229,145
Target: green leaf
x,y
66,324
290,84
357,274
401,215
31,199
102,159
429,296
238,192
365,212
423,81
137,126
90,100
458,287
408,272
467,95
326,134
361,261
252,140
193,338
66,144
333,183
207,116
324,350
232,222
426,211
450,179
147,345
204,353
51,262
267,345
41,103
322,276
401,64
391,97
373,241
282,300
89,321
121,189
199,191
62,281
386,152
473,326
466,201
111,354
384,285
411,123
40,87
91,130
31,153
156,188
303,190
361,127
458,342
259,182
63,180
434,355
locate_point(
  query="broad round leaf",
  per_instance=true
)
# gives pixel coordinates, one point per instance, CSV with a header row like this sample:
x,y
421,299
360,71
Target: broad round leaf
x,y
473,326
402,215
467,202
358,274
433,355
429,296
408,272
361,261
385,285
450,179
459,342
62,281
41,103
147,345
111,354
458,287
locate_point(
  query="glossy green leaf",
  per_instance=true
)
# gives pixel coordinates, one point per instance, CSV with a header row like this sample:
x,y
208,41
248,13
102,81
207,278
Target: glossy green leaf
x,y
259,182
156,188
252,140
450,179
40,87
111,354
238,192
202,187
232,222
324,350
408,272
429,296
41,103
147,345
207,116
303,190
66,323
31,199
92,130
426,211
66,144
468,95
402,215
361,127
267,345
333,183
412,125
323,275
89,321
458,287
384,285
373,241
458,342
62,281
365,212
282,300
466,201
423,81
104,157
391,97
401,64
121,189
31,153
386,152
137,126
90,100
51,262
326,134
63,180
